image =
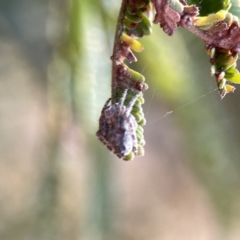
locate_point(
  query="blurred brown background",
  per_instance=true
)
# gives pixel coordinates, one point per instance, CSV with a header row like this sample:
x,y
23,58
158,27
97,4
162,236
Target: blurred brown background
x,y
57,181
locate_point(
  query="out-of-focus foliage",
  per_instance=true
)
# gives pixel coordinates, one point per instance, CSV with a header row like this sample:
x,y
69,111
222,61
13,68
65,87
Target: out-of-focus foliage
x,y
210,6
235,9
57,181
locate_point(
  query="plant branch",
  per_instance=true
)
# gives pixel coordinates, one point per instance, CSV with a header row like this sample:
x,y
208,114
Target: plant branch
x,y
116,47
228,37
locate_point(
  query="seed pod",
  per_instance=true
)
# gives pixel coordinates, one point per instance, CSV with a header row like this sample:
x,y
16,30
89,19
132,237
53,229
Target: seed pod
x,y
141,100
229,18
213,70
135,76
142,142
129,24
142,29
138,116
131,10
145,25
220,76
225,61
222,83
133,17
136,109
212,52
140,151
132,43
142,122
129,157
209,21
140,129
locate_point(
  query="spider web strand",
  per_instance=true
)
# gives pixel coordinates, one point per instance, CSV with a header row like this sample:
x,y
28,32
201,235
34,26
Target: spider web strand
x,y
183,106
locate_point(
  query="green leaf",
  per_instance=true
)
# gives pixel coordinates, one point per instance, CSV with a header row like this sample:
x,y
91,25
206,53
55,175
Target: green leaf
x,y
234,79
210,6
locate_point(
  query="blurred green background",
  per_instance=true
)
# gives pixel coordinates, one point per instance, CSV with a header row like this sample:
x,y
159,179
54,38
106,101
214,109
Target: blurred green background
x,y
57,181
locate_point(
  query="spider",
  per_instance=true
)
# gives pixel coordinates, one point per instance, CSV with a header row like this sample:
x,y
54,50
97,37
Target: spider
x,y
117,127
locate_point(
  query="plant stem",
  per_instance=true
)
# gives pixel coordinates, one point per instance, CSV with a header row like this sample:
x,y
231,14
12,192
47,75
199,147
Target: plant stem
x,y
116,53
206,38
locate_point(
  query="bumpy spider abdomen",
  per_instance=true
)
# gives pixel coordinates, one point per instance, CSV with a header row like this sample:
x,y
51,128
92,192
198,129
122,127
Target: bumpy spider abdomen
x,y
117,128
123,138
120,143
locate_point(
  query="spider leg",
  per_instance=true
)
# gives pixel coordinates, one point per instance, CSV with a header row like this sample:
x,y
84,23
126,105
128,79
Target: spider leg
x,y
133,125
123,97
103,125
131,103
106,104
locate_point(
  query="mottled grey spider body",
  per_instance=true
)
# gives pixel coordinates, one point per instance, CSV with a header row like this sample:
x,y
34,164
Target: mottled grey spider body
x,y
117,127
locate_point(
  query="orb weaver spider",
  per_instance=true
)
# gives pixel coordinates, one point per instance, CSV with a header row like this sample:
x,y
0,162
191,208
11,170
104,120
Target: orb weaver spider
x,y
117,127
